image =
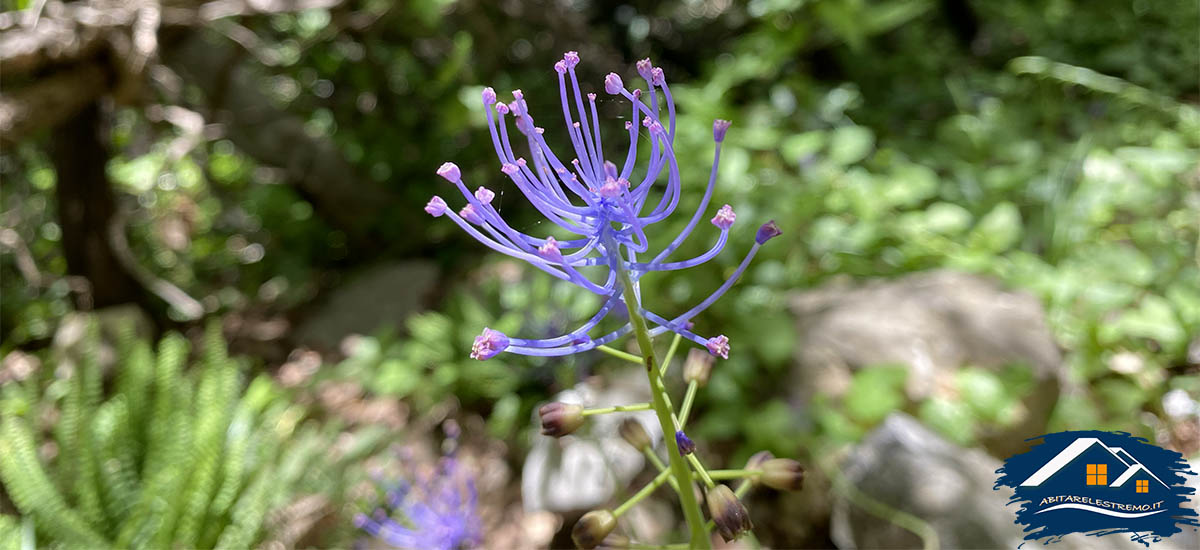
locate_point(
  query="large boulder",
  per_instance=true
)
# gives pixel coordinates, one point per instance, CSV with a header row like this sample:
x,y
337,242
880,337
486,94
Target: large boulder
x,y
911,469
934,323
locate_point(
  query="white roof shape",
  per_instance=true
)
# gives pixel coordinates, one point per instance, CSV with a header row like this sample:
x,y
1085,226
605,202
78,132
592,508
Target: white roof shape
x,y
1133,470
1065,457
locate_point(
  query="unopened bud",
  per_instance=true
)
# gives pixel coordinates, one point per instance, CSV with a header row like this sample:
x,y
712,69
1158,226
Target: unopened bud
x,y
697,367
592,528
685,443
783,474
615,540
728,513
634,434
559,419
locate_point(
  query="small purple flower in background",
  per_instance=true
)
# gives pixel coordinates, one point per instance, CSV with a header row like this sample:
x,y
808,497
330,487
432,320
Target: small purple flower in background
x,y
434,512
603,205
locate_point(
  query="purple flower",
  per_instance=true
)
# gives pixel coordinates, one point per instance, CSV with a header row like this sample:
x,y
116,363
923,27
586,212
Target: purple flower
x,y
437,512
685,443
599,202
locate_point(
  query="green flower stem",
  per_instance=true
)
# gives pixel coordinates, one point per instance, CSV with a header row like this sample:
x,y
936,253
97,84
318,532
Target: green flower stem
x,y
642,493
732,474
658,465
685,410
666,364
617,408
696,465
679,470
620,354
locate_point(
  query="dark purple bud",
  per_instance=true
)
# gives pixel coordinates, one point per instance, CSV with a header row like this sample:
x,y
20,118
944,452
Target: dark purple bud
x,y
634,434
783,474
728,513
697,367
756,460
559,419
767,232
686,445
613,84
490,343
718,345
719,128
592,528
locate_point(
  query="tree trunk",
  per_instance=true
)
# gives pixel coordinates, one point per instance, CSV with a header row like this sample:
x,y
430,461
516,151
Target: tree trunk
x,y
86,207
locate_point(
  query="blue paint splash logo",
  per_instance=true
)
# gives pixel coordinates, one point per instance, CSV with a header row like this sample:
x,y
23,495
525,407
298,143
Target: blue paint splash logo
x,y
1099,483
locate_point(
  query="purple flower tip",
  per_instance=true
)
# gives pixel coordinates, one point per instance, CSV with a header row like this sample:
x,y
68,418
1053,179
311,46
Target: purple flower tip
x,y
509,168
468,213
436,206
613,84
489,96
484,195
725,217
644,67
719,346
655,128
591,97
518,95
612,188
628,125
571,59
502,108
657,77
637,93
360,520
488,344
450,171
767,232
560,67
719,128
550,250
686,445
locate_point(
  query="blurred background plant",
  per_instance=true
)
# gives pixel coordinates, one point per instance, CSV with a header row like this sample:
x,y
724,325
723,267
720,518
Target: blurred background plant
x,y
263,162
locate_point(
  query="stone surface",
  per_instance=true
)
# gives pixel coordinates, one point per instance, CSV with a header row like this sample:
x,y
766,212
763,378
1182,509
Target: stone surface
x,y
934,323
381,294
583,470
910,468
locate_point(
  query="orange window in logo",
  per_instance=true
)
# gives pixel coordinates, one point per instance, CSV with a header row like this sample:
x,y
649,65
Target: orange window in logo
x,y
1097,474
1143,486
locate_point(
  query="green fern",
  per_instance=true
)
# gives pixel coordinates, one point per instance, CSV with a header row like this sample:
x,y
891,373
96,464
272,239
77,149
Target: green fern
x,y
175,457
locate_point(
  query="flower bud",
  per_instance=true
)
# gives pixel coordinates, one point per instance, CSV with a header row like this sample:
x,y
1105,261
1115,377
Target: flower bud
x,y
450,171
592,528
697,367
634,434
718,346
767,232
613,84
728,513
490,343
559,419
725,217
756,460
436,206
783,474
720,126
686,445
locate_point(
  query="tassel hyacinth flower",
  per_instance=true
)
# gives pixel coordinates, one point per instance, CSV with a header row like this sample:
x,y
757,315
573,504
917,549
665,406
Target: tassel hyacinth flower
x,y
608,208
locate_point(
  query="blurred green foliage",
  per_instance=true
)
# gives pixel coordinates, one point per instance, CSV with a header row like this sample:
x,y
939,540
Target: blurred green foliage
x,y
1053,145
173,457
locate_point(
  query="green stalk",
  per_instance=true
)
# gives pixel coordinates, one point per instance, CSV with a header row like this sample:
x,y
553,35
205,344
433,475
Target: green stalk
x,y
685,410
679,469
617,408
641,494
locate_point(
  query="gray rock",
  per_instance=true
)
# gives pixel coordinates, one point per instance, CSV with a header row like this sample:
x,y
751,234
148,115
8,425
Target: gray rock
x,y
381,294
911,469
933,322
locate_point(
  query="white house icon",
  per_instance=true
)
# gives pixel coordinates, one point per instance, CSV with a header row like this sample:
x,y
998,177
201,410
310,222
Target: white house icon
x,y
1076,448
